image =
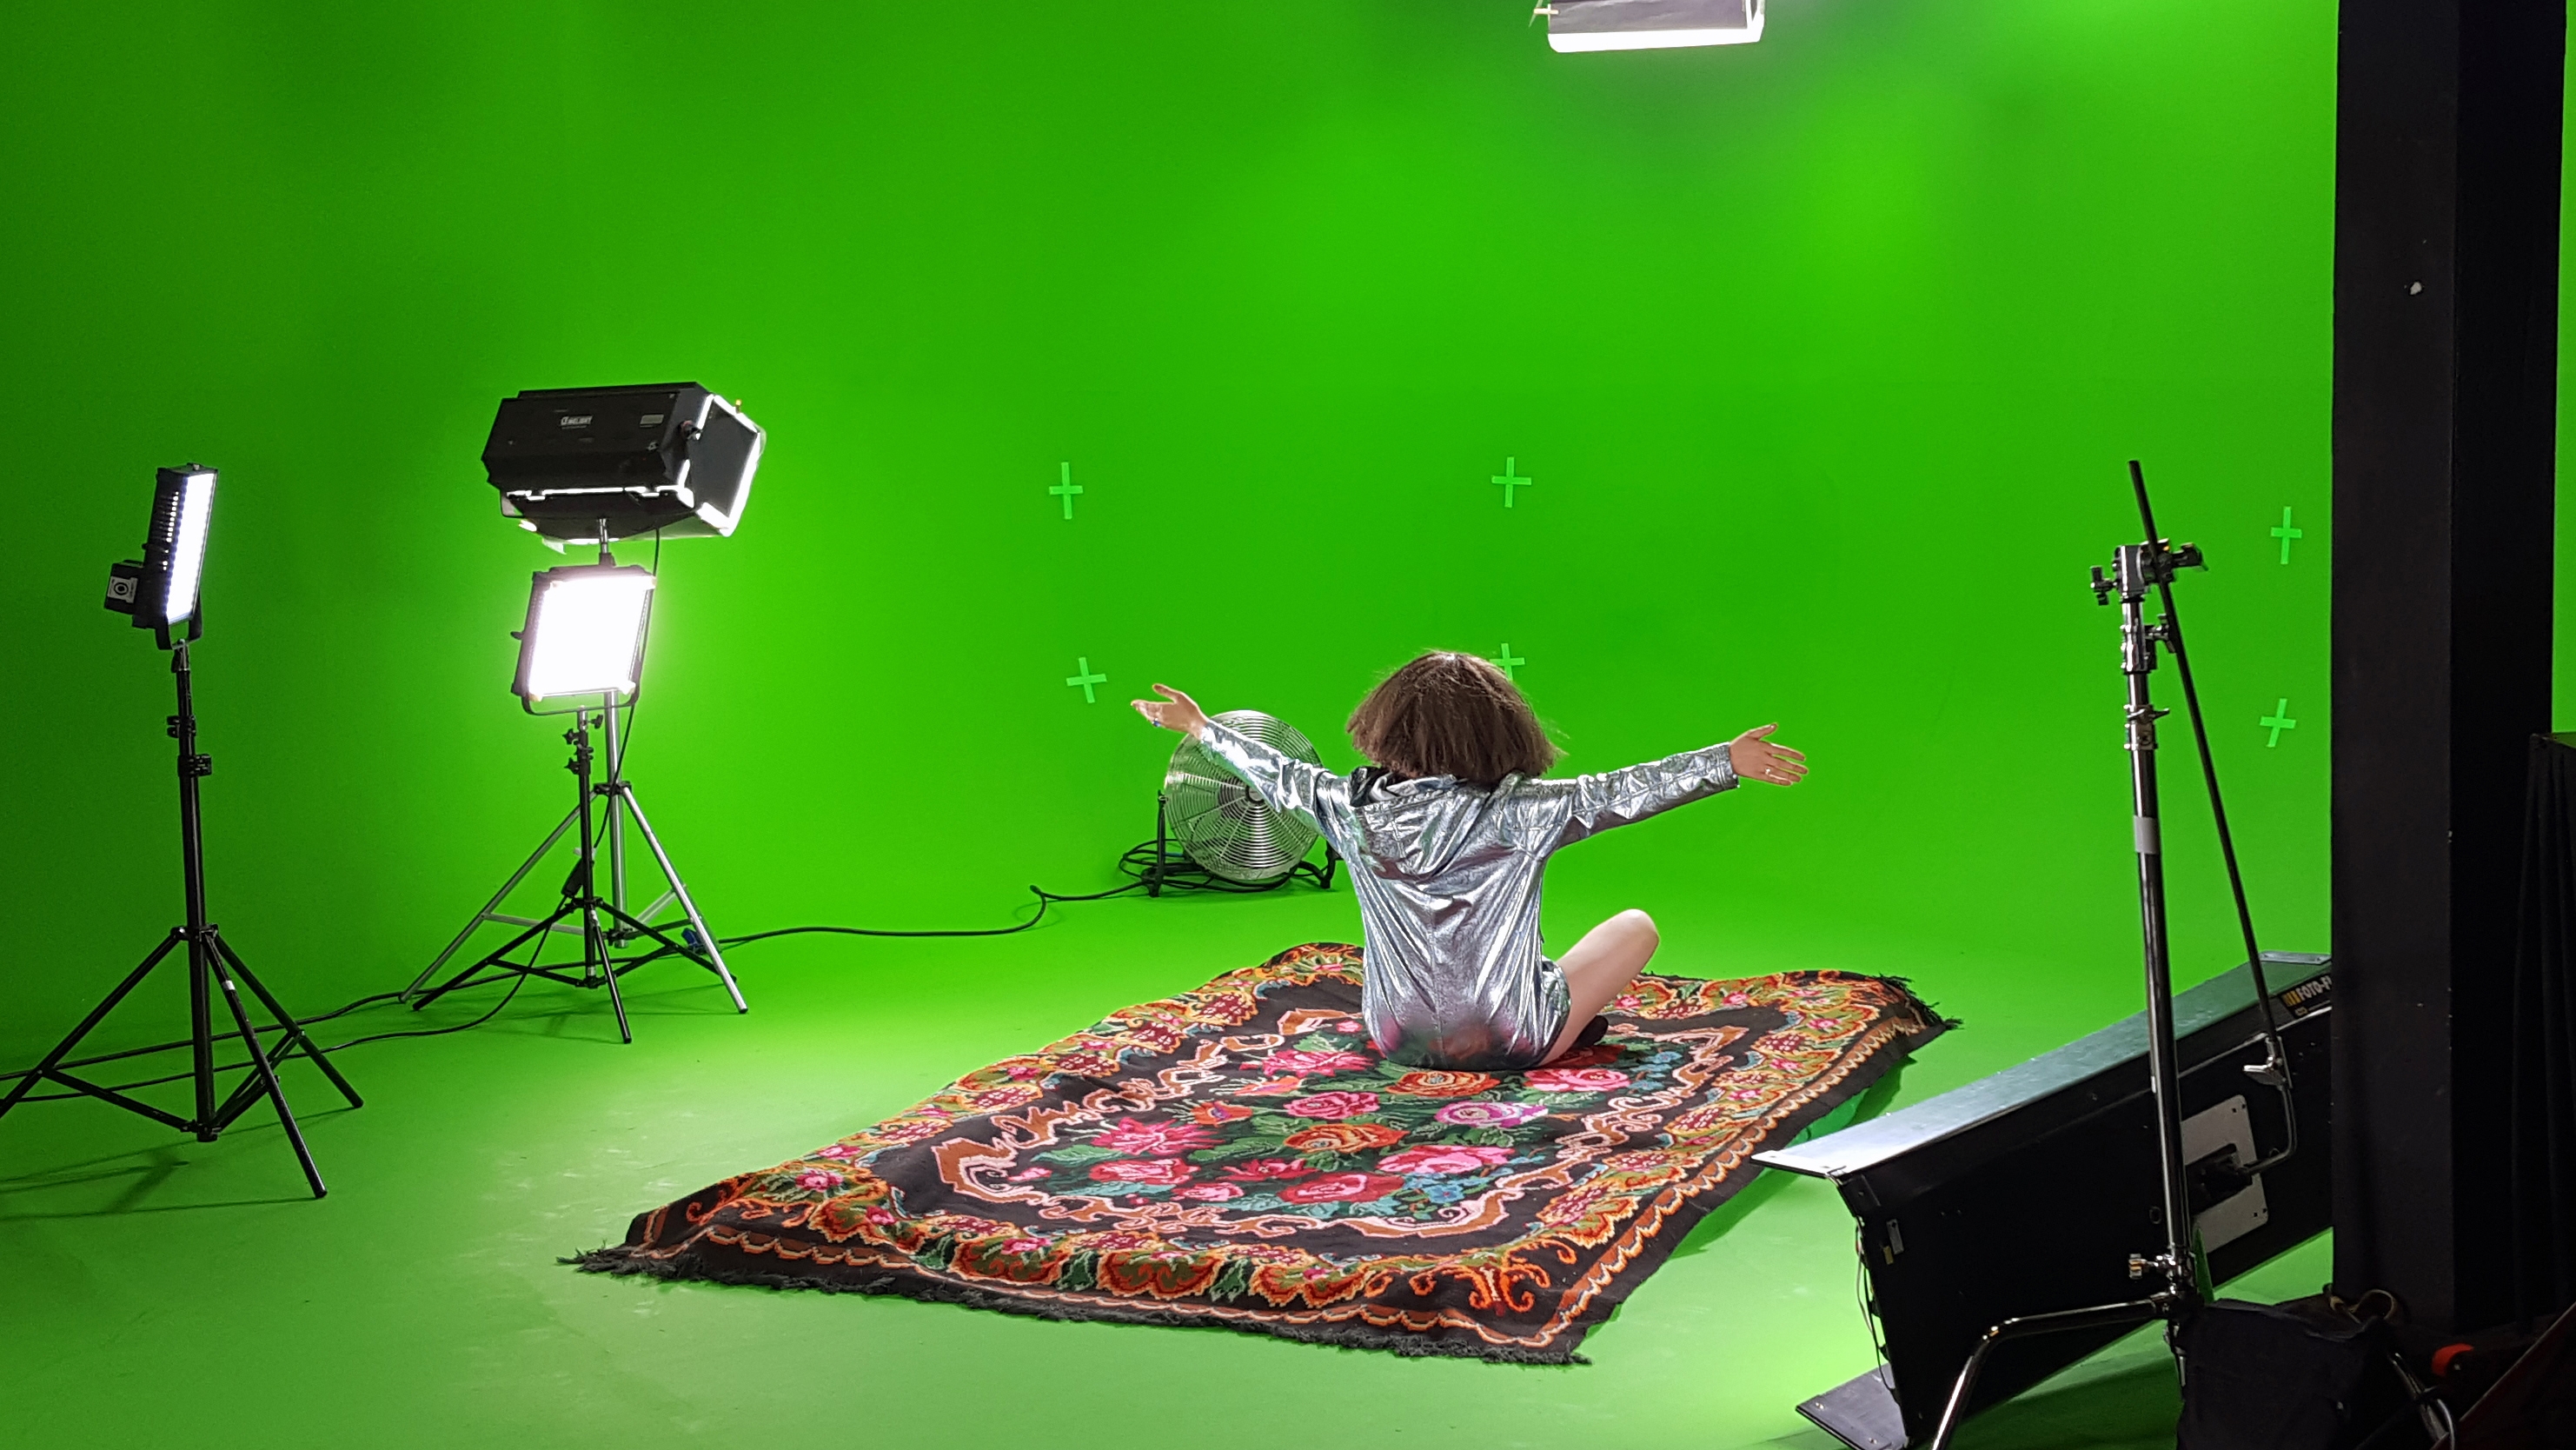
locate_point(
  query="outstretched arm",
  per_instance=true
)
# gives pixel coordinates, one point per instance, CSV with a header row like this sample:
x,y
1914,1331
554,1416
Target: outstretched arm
x,y
1286,783
1596,803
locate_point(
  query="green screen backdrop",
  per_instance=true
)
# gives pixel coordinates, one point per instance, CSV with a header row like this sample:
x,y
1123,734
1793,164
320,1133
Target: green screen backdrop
x,y
1823,356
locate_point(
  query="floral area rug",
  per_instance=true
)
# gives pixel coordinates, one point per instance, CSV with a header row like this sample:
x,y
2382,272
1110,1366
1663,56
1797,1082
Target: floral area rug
x,y
1238,1156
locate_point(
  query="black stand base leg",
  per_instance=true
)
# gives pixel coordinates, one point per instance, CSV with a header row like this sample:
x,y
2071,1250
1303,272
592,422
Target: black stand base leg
x,y
461,979
286,1023
596,944
499,958
267,1074
208,1125
598,966
2135,1311
96,1015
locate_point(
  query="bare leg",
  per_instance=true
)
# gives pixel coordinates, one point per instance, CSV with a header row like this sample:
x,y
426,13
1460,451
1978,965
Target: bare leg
x,y
1600,967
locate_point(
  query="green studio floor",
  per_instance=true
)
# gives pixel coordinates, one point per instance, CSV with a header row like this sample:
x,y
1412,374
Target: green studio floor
x,y
162,1292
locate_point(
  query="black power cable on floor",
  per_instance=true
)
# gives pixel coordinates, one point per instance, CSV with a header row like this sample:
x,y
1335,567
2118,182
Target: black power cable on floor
x,y
1150,863
366,1001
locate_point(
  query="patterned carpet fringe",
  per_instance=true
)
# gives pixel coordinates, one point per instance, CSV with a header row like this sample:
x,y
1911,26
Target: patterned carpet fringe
x,y
1239,1157
614,1259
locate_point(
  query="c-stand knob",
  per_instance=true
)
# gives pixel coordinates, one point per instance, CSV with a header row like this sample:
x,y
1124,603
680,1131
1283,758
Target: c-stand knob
x,y
2101,587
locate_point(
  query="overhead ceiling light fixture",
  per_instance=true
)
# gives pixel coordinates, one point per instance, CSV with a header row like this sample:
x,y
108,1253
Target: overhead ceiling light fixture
x,y
1576,25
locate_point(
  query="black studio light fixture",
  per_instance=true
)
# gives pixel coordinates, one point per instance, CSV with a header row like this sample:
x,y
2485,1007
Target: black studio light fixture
x,y
596,466
1585,25
161,592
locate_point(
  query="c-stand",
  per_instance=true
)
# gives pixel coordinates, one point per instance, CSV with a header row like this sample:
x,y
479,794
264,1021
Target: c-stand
x,y
2179,1264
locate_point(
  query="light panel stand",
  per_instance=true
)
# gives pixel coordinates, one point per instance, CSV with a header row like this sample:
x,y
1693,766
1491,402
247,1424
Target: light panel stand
x,y
213,966
603,923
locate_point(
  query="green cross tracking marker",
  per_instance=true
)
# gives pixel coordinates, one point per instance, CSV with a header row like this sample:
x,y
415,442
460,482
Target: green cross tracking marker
x,y
1511,480
1510,662
2285,533
2276,722
1067,489
1086,679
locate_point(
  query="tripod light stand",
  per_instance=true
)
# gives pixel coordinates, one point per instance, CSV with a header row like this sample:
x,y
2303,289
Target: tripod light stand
x,y
2178,1268
160,593
585,637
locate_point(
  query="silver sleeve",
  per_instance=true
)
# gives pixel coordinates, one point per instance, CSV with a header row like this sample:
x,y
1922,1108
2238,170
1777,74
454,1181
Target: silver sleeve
x,y
1595,803
1309,790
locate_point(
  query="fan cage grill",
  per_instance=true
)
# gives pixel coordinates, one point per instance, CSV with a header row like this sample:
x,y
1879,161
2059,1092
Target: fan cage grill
x,y
1222,823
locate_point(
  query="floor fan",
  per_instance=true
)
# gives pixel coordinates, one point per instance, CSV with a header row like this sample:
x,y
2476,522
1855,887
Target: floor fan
x,y
1230,838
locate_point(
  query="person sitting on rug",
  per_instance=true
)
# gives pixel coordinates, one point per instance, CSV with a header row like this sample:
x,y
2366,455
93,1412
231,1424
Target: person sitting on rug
x,y
1449,831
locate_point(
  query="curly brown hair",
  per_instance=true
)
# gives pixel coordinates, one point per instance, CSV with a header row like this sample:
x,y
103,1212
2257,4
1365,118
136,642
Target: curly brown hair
x,y
1451,714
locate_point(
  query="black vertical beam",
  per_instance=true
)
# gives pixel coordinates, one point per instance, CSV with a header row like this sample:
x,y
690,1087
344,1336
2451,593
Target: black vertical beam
x,y
2445,424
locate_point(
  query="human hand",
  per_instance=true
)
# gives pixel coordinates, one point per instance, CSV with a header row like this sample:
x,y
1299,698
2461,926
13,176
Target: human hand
x,y
1756,758
1180,713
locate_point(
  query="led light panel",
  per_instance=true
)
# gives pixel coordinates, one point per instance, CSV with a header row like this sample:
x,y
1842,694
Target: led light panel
x,y
585,632
188,544
158,592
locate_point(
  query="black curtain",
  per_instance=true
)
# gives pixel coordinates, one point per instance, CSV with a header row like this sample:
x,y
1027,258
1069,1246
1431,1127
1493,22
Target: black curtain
x,y
2544,1037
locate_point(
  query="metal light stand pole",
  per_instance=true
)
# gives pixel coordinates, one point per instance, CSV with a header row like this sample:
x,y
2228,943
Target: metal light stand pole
x,y
581,888
2177,1266
2140,565
212,964
615,823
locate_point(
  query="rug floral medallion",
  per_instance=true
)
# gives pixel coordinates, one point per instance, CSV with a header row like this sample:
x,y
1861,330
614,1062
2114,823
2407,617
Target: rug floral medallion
x,y
1239,1156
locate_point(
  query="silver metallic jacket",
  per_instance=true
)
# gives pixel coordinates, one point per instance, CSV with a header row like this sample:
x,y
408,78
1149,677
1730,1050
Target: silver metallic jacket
x,y
1448,881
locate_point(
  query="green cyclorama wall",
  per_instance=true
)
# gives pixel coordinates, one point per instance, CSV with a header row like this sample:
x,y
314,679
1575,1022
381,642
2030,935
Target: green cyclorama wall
x,y
1824,355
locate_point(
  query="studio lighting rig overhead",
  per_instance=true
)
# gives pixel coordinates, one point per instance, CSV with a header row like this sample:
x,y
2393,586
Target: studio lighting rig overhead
x,y
593,466
1583,25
